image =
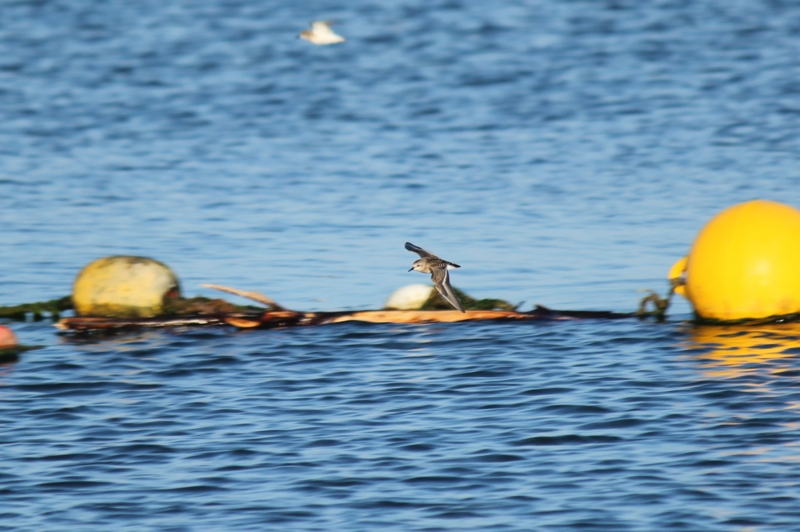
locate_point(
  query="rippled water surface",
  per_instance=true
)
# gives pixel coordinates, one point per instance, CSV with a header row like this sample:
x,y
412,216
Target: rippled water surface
x,y
563,152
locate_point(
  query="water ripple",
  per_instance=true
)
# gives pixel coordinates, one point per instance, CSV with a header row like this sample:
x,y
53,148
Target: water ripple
x,y
564,155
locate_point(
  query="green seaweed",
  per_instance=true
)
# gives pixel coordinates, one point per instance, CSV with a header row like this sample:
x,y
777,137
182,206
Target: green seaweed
x,y
437,302
173,306
750,322
659,304
177,306
38,311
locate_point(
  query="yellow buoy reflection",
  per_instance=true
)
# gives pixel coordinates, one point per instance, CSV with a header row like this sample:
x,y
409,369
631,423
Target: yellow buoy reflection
x,y
733,351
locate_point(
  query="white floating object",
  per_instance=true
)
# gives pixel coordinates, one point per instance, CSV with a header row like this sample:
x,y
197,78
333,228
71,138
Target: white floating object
x,y
409,297
321,33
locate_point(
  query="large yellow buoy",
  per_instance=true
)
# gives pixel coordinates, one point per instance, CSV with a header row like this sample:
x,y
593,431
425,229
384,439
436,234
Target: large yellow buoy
x,y
124,287
744,264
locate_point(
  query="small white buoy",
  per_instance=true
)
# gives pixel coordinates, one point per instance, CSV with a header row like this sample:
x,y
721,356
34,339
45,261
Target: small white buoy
x,y
409,297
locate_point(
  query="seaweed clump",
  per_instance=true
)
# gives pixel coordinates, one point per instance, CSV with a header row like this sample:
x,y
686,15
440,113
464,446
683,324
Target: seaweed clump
x,y
437,302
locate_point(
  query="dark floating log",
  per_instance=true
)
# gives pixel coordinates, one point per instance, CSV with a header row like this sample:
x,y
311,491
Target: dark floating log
x,y
87,323
277,317
288,318
248,294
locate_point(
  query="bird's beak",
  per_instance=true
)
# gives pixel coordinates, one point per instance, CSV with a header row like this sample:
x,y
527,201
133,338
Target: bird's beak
x,y
411,269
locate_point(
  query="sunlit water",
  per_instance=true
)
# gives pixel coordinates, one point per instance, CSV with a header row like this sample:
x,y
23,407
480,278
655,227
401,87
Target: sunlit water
x,y
564,153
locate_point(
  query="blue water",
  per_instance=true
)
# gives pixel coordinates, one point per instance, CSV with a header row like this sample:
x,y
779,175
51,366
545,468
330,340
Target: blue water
x,y
564,153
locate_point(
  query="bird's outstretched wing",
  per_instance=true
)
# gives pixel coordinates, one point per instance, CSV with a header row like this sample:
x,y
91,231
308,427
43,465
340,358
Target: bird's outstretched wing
x,y
419,251
441,280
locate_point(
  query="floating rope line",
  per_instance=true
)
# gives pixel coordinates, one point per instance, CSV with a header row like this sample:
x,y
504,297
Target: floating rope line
x,y
659,304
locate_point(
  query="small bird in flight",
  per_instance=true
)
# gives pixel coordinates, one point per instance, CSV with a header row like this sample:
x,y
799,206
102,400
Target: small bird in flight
x,y
321,33
430,263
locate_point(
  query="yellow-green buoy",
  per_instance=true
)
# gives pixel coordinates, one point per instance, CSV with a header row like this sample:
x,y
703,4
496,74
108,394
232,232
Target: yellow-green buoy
x,y
744,264
124,287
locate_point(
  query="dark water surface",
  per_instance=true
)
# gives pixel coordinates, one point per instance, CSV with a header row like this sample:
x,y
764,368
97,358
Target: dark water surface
x,y
563,426
563,153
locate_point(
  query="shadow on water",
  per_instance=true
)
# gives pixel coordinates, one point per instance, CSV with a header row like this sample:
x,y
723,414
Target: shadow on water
x,y
11,355
8,357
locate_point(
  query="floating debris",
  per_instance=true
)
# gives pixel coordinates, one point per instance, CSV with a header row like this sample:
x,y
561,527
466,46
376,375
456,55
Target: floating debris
x,y
277,316
321,33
